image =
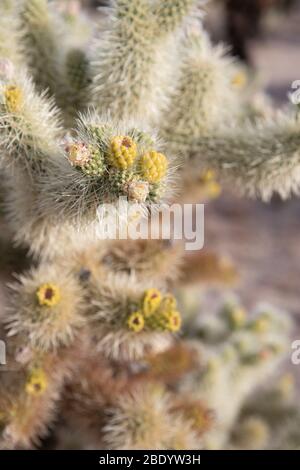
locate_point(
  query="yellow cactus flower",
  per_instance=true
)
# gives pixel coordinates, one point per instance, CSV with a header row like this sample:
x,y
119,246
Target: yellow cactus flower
x,y
153,166
48,295
174,321
36,383
13,98
239,80
123,152
136,322
78,153
151,302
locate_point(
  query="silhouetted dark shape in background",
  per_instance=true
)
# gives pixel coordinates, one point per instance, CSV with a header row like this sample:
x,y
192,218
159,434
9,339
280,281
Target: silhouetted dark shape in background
x,y
243,18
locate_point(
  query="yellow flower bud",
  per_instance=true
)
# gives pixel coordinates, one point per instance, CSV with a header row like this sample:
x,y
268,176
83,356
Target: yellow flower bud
x,y
123,152
153,166
151,302
136,322
48,295
239,80
36,383
174,321
13,98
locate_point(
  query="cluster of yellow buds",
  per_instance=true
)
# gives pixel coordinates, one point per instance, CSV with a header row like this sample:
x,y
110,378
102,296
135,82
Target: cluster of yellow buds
x,y
123,152
131,168
36,383
157,312
166,320
48,295
153,166
13,98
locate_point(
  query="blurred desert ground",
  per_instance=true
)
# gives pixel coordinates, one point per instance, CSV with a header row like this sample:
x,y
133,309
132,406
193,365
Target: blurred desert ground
x,y
263,239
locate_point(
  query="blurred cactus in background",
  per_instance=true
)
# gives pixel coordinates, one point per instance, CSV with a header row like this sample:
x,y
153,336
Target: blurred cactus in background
x,y
106,336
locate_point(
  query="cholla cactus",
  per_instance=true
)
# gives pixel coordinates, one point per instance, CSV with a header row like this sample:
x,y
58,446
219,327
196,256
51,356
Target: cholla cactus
x,y
269,419
106,161
144,420
128,318
42,36
259,159
46,308
204,97
133,59
94,331
239,351
10,37
161,260
29,396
